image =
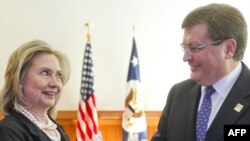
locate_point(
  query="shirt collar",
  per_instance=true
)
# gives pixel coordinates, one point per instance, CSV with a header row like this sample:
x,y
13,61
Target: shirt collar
x,y
224,85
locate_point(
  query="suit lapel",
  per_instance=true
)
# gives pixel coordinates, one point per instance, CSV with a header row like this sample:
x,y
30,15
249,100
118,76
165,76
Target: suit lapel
x,y
181,115
34,131
233,107
193,99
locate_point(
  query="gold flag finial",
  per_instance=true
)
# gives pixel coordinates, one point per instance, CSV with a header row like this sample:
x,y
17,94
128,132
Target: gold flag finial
x,y
88,26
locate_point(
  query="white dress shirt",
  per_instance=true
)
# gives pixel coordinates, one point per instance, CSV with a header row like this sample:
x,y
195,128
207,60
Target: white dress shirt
x,y
222,87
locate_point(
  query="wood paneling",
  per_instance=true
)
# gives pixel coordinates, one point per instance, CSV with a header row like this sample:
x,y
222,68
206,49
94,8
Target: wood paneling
x,y
109,123
1,116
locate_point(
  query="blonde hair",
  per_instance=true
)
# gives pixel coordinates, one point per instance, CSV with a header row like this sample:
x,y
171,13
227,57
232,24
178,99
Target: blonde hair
x,y
16,71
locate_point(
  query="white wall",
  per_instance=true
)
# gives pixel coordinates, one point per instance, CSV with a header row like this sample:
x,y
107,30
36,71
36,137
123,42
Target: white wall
x,y
61,23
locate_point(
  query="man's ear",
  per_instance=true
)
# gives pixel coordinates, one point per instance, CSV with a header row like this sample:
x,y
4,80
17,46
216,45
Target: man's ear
x,y
231,46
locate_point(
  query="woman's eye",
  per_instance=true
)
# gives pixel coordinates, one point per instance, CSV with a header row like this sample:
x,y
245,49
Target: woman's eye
x,y
59,75
45,72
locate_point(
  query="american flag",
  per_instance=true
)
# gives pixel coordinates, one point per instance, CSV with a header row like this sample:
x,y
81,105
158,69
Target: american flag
x,y
87,124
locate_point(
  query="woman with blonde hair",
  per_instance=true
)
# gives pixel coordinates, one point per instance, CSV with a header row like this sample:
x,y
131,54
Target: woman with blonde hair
x,y
34,78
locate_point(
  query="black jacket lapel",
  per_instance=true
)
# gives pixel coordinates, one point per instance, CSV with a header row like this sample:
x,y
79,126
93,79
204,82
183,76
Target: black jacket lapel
x,y
235,105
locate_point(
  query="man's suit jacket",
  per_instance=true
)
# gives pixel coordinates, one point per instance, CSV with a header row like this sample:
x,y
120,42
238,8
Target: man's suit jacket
x,y
16,127
178,119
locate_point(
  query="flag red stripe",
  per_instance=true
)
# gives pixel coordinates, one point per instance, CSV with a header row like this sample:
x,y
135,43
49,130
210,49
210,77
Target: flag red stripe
x,y
79,131
91,114
89,121
82,121
88,118
85,120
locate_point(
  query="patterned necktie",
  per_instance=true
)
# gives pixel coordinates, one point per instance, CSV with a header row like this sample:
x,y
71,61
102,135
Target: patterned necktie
x,y
203,114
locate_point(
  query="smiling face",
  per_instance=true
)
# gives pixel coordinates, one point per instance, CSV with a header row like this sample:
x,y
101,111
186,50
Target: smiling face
x,y
210,63
42,84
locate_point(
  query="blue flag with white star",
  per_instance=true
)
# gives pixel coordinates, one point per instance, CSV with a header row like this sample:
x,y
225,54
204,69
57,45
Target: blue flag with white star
x,y
134,69
134,119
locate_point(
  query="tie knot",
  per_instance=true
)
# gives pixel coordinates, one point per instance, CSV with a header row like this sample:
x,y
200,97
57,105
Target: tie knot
x,y
209,90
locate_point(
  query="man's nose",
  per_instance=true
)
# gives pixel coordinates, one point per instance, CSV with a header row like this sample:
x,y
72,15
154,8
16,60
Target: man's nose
x,y
187,55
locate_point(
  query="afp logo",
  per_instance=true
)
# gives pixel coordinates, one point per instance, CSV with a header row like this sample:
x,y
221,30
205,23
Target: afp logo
x,y
237,132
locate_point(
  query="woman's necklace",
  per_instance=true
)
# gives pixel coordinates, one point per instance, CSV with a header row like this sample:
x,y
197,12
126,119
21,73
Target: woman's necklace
x,y
49,126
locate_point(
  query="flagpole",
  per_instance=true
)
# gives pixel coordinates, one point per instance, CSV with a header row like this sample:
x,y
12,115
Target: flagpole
x,y
133,29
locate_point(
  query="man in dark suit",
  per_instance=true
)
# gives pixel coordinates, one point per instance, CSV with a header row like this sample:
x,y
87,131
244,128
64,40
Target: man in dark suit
x,y
214,42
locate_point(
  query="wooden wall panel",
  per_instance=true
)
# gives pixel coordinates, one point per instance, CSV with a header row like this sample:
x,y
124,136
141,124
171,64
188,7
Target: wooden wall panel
x,y
1,117
109,123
